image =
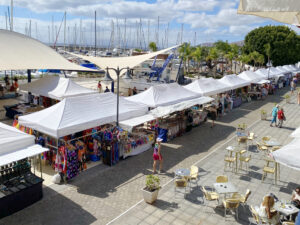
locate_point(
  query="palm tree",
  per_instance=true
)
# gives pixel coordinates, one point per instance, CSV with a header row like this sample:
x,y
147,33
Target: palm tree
x,y
254,57
230,56
244,59
197,56
152,46
235,49
186,52
213,56
261,60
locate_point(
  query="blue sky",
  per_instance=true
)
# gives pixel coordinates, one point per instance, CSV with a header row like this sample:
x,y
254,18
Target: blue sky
x,y
211,20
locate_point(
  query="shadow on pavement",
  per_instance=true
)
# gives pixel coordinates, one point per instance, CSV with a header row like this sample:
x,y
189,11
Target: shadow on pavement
x,y
63,211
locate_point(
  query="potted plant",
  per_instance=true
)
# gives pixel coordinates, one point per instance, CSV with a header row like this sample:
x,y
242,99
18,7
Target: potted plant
x,y
287,98
263,114
150,192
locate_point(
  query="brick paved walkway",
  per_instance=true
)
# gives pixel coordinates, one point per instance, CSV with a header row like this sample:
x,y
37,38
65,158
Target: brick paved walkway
x,y
102,193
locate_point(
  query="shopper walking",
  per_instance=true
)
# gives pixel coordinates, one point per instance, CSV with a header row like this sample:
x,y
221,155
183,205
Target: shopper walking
x,y
293,86
213,115
281,117
157,156
298,97
99,86
274,115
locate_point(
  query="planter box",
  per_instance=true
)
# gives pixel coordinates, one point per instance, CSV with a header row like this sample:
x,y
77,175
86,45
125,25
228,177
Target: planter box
x,y
263,116
150,197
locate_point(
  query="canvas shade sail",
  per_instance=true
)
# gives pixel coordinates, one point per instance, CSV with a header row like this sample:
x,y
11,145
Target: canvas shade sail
x,y
207,86
55,87
284,11
289,155
75,114
234,82
20,52
163,94
121,62
251,76
16,145
162,111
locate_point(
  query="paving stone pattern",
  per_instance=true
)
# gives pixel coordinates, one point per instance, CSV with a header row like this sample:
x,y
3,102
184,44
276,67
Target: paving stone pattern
x,y
102,193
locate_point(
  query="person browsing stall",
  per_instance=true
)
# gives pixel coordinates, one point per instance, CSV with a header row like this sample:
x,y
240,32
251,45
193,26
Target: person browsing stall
x,y
274,115
157,155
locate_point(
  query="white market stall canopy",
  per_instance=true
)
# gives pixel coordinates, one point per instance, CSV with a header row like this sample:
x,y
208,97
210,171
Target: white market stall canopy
x,y
207,86
263,82
251,76
283,70
284,11
20,52
79,113
234,82
162,111
163,94
121,62
16,145
265,73
275,71
55,87
289,155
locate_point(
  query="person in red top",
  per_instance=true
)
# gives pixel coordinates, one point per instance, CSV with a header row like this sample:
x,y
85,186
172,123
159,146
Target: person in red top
x,y
281,117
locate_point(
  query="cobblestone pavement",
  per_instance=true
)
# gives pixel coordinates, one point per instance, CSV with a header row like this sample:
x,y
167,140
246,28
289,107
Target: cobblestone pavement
x,y
102,193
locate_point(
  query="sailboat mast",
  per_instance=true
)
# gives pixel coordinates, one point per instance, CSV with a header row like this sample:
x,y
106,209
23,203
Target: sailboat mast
x,y
12,15
65,30
95,32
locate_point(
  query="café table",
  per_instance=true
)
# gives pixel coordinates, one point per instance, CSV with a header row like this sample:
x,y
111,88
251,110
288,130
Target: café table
x,y
236,150
182,172
285,209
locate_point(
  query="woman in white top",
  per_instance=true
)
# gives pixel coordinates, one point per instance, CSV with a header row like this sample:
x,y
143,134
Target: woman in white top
x,y
296,197
267,213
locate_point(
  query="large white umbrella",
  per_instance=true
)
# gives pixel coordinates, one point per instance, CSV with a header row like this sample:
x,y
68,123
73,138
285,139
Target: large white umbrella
x,y
289,155
284,11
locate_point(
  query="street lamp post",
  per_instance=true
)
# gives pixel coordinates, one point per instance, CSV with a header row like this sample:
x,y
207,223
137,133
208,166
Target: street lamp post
x,y
269,64
118,72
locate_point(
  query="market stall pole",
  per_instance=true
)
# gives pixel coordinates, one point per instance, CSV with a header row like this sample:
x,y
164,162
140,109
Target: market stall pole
x,y
118,72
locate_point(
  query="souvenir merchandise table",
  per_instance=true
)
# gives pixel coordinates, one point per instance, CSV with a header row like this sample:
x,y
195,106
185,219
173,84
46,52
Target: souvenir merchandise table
x,y
21,109
138,141
175,124
19,188
199,116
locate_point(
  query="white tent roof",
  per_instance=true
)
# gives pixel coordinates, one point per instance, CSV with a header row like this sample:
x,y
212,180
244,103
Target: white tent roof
x,y
20,52
79,113
283,70
251,76
16,145
121,62
55,87
12,139
289,155
290,68
234,81
163,94
207,86
162,111
263,82
275,71
265,73
282,11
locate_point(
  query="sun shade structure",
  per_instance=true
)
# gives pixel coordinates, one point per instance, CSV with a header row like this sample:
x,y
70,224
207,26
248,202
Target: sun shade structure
x,y
162,111
207,86
79,113
55,87
163,94
234,82
16,145
251,76
284,11
283,70
121,62
20,52
296,133
289,155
